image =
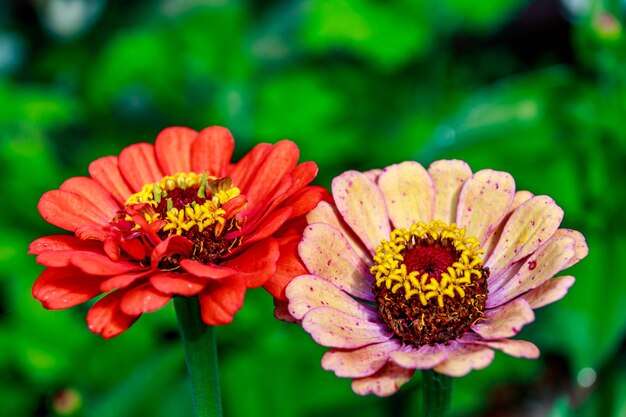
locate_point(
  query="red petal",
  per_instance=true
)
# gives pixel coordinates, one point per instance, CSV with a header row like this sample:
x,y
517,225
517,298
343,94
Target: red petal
x,y
257,263
173,245
106,172
138,166
92,191
306,200
57,259
178,284
70,211
212,150
288,267
246,168
281,160
172,147
107,319
59,288
269,225
135,248
96,264
122,281
61,243
206,271
220,301
143,299
270,202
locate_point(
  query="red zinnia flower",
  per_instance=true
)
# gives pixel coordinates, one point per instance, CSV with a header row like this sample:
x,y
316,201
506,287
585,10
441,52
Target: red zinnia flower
x,y
175,218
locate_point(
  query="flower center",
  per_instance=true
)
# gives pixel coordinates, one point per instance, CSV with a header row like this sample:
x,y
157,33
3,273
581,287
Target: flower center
x,y
430,284
198,207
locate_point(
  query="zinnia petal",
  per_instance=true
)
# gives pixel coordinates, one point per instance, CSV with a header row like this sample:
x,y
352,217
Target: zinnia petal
x,y
220,301
529,227
328,254
106,171
143,299
281,160
335,328
513,347
520,198
257,264
361,362
484,201
91,190
550,291
362,205
580,247
448,178
385,382
325,213
288,266
308,292
409,193
172,148
424,357
464,358
505,321
55,243
175,283
139,166
212,150
107,319
58,288
70,211
542,265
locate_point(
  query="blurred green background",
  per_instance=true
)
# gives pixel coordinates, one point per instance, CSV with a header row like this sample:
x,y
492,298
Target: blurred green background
x,y
536,88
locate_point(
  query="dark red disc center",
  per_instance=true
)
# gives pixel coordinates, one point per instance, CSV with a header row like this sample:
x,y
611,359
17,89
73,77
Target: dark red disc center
x,y
430,259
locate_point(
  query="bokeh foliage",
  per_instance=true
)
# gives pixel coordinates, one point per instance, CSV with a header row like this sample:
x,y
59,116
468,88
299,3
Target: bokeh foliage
x,y
535,88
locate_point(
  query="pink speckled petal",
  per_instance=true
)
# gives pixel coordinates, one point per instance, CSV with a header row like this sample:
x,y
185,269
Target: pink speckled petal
x,y
448,177
463,358
334,328
505,321
550,291
362,205
326,213
326,253
424,357
520,198
308,292
484,201
538,268
409,193
529,227
361,362
580,247
373,174
513,347
383,383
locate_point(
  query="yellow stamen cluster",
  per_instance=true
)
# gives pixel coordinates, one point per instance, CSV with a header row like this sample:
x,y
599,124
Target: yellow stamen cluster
x,y
181,220
203,216
390,270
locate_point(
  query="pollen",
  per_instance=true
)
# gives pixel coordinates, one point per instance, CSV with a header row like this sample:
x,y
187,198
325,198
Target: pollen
x,y
430,283
199,207
190,200
431,274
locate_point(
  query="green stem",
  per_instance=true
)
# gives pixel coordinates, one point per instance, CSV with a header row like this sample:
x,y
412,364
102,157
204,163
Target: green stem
x,y
437,392
201,356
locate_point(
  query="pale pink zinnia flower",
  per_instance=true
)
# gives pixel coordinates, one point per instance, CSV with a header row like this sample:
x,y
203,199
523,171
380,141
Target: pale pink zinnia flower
x,y
427,269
